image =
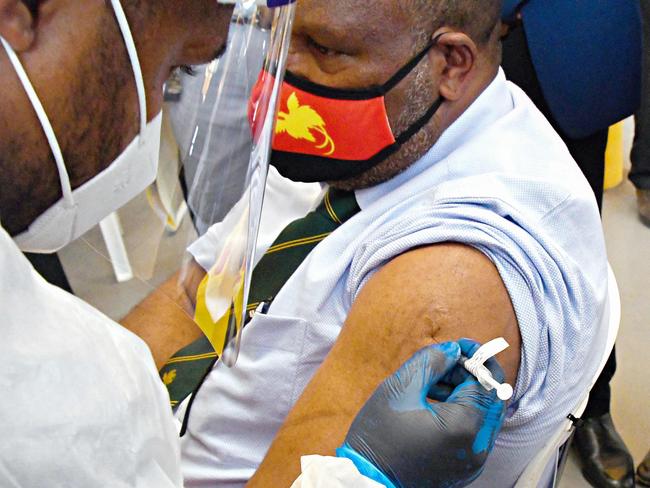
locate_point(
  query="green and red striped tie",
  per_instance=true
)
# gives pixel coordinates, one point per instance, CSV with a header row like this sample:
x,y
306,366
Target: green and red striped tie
x,y
184,372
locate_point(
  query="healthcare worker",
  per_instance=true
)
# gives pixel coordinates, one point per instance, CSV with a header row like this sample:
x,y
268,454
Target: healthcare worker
x,y
82,402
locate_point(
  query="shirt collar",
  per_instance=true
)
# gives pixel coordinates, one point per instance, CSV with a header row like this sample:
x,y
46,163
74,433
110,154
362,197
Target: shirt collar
x,y
493,103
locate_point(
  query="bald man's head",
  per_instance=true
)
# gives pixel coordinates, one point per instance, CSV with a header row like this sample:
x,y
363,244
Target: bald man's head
x,y
477,18
75,56
354,45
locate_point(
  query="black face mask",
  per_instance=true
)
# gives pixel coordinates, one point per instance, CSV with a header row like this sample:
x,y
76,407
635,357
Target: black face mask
x,y
330,134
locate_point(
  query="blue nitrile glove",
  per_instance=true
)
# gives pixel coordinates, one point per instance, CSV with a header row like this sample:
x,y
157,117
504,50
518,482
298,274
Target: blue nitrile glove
x,y
403,440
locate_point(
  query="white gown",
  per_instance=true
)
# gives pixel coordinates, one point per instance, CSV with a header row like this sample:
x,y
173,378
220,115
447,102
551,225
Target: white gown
x,y
82,403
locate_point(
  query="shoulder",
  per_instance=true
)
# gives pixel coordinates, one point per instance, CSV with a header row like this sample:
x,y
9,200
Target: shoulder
x,y
433,294
443,283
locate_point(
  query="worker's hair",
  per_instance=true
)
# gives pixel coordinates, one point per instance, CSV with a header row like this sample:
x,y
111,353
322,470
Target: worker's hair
x,y
140,13
479,19
136,8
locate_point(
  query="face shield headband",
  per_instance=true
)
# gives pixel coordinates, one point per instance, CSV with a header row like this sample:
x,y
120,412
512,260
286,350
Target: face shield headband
x,y
330,134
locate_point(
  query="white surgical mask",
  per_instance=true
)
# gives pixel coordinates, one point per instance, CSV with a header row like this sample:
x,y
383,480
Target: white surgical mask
x,y
133,170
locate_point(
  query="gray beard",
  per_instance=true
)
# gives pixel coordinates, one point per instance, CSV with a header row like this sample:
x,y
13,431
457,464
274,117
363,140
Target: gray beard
x,y
420,95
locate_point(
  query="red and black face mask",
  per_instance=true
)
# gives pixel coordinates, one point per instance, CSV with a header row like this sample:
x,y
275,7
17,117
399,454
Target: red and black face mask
x,y
330,134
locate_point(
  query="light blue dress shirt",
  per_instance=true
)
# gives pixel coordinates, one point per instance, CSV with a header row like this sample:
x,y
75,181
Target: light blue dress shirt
x,y
499,180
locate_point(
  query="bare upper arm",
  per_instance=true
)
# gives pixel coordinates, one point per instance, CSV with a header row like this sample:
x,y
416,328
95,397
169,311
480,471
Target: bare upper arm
x,y
428,295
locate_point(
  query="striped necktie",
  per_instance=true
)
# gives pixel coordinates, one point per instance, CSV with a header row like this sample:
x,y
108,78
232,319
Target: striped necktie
x,y
184,372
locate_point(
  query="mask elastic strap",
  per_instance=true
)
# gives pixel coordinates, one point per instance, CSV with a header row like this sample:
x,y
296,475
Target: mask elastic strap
x,y
404,137
64,178
410,66
123,23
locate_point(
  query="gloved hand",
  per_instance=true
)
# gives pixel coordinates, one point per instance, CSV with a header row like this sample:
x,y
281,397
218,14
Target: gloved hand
x,y
402,440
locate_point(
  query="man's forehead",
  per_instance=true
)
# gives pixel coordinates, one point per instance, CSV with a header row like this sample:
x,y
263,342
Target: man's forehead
x,y
370,20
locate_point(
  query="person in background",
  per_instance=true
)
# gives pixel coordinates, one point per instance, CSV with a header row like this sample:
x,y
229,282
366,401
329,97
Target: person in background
x,y
640,174
582,91
643,471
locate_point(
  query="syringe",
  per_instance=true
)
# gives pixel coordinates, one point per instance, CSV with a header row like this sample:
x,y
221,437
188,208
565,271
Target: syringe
x,y
483,375
476,367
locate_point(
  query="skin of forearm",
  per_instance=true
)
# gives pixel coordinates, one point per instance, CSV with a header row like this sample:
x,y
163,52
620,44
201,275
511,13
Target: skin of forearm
x,y
164,320
320,421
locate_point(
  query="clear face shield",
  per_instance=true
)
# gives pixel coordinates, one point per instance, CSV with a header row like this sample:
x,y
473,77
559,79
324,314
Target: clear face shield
x,y
211,178
227,161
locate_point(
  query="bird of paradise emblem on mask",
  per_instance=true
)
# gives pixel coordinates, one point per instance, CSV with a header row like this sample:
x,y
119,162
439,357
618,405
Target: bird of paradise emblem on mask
x,y
302,122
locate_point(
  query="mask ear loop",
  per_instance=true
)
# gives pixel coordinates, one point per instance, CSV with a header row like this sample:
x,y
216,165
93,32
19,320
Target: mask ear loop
x,y
410,66
131,49
64,178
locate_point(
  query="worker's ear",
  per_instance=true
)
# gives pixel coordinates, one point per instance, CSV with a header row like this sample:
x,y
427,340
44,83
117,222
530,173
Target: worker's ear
x,y
16,24
460,54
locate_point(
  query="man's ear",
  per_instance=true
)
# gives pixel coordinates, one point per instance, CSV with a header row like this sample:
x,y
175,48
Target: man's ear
x,y
16,24
460,54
